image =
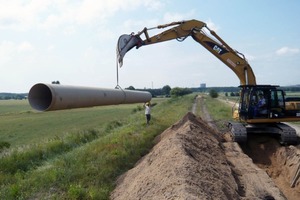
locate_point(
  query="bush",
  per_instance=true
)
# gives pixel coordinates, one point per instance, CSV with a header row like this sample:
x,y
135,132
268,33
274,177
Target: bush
x,y
138,108
4,145
112,125
213,94
180,91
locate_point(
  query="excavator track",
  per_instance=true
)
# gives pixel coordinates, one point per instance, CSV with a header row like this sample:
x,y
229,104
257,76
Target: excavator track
x,y
238,132
285,133
288,134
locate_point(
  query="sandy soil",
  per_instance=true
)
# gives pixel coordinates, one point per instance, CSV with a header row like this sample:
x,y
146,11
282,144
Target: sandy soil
x,y
192,160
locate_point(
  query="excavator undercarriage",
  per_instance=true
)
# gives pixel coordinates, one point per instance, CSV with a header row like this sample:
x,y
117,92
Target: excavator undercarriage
x,y
283,132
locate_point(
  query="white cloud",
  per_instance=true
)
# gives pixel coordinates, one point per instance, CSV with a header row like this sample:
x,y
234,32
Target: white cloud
x,y
287,51
212,26
137,25
153,5
172,17
47,14
91,53
250,57
10,51
69,30
21,15
6,51
51,47
51,21
25,46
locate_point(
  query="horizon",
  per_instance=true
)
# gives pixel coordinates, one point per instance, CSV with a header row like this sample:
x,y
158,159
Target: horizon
x,y
207,87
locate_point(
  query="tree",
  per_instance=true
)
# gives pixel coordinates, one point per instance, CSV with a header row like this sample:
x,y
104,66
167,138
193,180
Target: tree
x,y
166,90
213,93
130,88
180,91
55,82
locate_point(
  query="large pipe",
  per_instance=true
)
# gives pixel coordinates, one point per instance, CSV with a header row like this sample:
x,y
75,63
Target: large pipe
x,y
46,97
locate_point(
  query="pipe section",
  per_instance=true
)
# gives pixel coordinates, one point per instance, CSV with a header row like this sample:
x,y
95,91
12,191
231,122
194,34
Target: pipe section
x,y
46,97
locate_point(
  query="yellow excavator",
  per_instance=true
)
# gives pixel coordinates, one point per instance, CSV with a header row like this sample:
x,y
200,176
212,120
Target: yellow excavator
x,y
262,109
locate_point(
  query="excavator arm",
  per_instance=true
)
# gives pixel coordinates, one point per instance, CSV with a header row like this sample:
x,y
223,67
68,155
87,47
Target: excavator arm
x,y
200,33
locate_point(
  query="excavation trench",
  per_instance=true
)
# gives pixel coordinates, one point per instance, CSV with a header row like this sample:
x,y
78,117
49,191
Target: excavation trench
x,y
281,163
193,160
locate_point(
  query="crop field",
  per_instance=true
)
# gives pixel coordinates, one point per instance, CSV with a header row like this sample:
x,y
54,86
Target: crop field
x,y
79,153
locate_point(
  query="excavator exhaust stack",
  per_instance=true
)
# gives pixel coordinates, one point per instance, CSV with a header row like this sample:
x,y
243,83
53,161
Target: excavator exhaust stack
x,y
125,44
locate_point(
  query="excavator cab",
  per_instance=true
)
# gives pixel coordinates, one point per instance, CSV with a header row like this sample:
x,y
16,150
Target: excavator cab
x,y
267,104
262,109
260,103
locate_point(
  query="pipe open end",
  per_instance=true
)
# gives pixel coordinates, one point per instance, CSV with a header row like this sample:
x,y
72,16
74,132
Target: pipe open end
x,y
40,97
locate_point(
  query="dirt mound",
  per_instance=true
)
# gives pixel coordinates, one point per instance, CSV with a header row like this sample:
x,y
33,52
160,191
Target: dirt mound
x,y
190,161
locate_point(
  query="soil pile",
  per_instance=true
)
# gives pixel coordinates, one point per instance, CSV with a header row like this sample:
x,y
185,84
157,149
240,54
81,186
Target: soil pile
x,y
192,161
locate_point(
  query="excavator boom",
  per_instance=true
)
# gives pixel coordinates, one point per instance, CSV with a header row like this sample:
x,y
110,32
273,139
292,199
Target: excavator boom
x,y
201,34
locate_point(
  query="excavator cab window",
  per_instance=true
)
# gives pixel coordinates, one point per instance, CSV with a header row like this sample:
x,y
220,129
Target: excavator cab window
x,y
277,104
262,102
254,103
245,104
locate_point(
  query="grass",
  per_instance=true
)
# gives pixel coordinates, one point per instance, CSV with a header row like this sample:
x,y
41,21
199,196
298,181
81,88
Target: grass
x,y
13,106
219,111
83,163
26,126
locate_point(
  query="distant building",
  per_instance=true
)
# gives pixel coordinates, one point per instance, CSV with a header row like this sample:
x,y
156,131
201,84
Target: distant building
x,y
203,85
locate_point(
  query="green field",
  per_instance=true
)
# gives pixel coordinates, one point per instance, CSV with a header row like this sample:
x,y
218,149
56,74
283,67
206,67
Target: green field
x,y
20,125
79,153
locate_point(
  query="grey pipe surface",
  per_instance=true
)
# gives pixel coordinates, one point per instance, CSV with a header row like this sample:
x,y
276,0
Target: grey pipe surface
x,y
46,97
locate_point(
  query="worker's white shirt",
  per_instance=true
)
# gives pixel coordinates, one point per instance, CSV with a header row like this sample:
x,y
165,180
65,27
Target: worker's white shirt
x,y
147,110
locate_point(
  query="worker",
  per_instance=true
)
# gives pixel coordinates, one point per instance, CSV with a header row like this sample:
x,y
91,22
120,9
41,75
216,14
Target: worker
x,y
147,107
261,106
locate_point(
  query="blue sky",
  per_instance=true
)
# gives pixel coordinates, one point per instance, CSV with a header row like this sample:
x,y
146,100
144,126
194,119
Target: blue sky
x,y
74,42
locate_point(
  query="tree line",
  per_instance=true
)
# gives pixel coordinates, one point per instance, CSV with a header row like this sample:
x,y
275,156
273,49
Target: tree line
x,y
16,96
164,91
